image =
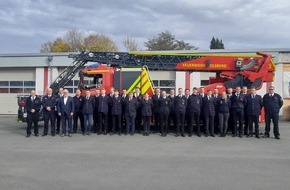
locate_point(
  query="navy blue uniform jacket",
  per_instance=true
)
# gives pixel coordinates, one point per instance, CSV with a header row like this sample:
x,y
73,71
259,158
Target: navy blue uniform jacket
x,y
36,104
66,108
146,107
116,105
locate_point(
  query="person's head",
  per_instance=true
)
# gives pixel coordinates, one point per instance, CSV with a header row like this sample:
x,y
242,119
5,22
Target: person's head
x,y
49,91
172,92
60,90
238,89
194,90
88,93
187,91
146,95
33,93
209,92
116,93
98,92
65,93
230,90
224,95
157,91
271,89
78,92
163,93
245,89
202,90
112,89
124,91
130,94
253,90
180,91
103,92
215,91
137,90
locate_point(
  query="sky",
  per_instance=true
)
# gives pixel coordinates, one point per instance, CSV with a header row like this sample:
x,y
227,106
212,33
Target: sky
x,y
241,24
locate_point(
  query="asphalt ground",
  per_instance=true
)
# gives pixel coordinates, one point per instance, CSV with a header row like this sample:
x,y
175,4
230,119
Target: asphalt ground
x,y
138,162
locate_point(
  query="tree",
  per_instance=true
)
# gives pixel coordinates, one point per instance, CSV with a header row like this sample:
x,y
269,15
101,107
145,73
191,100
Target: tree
x,y
46,47
60,45
166,41
215,43
130,44
99,42
75,40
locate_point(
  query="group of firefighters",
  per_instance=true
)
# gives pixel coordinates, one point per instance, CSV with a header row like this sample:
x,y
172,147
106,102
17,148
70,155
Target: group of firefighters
x,y
210,112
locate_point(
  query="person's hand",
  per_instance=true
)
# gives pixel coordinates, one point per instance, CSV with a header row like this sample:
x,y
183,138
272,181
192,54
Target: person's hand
x,y
59,114
48,108
32,110
71,114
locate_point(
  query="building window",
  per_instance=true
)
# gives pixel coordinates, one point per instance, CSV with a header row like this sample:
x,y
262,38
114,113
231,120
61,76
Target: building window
x,y
72,85
204,82
18,87
164,84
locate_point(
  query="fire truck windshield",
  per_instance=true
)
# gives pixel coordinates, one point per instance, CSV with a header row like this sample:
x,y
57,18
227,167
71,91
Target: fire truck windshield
x,y
92,82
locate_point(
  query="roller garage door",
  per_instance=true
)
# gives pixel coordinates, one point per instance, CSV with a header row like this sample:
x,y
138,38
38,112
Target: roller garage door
x,y
13,82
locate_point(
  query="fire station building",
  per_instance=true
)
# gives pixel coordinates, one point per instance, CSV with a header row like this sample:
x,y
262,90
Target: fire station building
x,y
20,73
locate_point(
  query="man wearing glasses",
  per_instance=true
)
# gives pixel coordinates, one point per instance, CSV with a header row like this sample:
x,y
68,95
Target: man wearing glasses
x,y
272,103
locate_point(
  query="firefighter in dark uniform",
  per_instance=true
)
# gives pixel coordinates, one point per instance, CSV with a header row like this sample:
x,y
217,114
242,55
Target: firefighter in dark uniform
x,y
180,108
95,128
201,119
171,117
138,121
58,118
88,111
78,115
109,121
49,104
116,112
272,103
123,119
164,109
230,120
131,105
146,111
32,106
194,104
238,102
246,123
253,110
103,108
208,104
187,112
155,99
216,118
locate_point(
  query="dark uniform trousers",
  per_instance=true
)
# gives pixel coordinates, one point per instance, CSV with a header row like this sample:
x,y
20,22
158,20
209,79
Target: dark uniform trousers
x,y
180,116
209,124
194,118
238,115
32,118
146,123
49,116
275,118
116,121
103,121
253,119
164,122
155,99
78,115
